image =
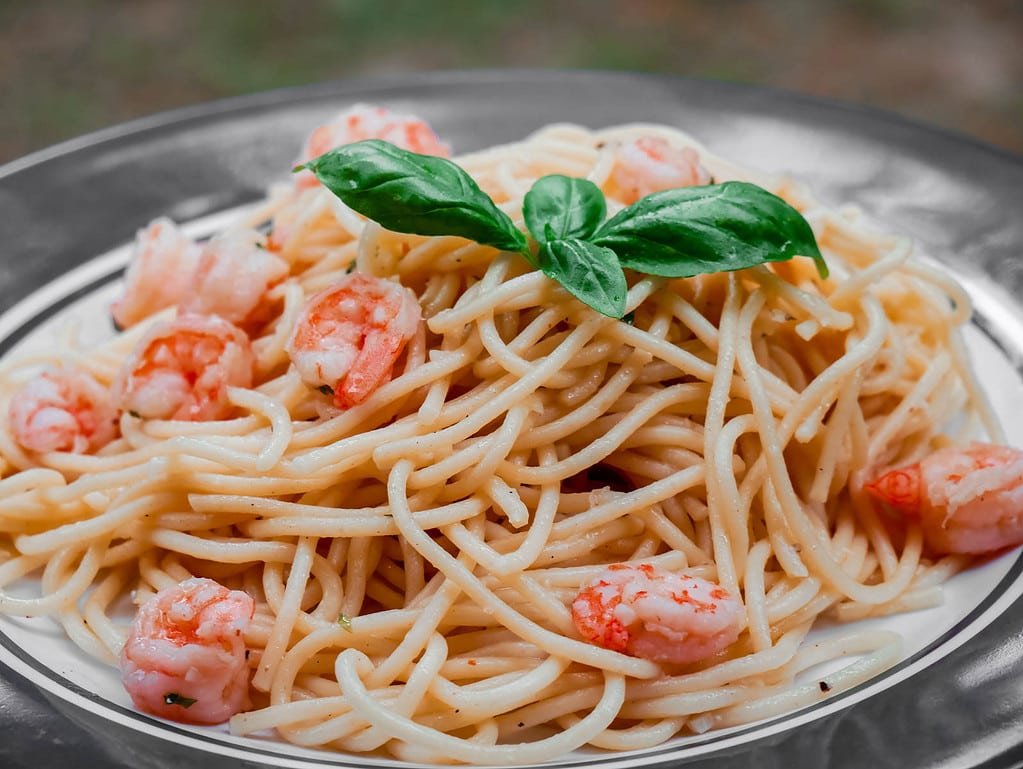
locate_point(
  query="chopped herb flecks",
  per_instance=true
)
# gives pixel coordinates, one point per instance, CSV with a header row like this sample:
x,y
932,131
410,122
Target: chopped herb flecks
x,y
173,698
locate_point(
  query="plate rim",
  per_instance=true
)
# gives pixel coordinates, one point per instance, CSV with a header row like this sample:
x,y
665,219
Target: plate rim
x,y
380,82
347,88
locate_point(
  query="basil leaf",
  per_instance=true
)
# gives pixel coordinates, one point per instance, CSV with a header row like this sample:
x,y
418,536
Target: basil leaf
x,y
560,207
173,698
589,273
419,194
689,231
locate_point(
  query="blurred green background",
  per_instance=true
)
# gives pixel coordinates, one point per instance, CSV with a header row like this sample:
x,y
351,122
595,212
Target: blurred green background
x,y
71,66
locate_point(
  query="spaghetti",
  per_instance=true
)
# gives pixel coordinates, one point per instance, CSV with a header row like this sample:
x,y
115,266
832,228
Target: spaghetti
x,y
413,556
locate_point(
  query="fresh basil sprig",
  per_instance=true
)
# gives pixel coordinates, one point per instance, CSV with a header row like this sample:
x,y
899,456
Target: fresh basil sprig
x,y
675,233
561,213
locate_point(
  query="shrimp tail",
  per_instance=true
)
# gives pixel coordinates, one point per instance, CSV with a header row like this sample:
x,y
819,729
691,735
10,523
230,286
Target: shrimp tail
x,y
901,488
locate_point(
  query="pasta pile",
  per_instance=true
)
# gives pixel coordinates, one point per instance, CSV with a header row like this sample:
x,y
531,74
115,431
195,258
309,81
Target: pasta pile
x,y
413,558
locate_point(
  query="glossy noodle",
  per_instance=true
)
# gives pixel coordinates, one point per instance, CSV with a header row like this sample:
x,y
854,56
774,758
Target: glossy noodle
x,y
414,554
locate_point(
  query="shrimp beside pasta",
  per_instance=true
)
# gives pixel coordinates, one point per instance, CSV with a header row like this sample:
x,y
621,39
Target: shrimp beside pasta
x,y
232,277
967,499
361,122
349,336
159,274
63,409
656,614
651,164
181,369
185,656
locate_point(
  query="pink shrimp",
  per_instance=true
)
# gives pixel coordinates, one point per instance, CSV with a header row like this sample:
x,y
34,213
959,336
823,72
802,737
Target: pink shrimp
x,y
362,122
349,335
650,164
63,410
159,274
181,369
967,499
649,612
185,655
232,277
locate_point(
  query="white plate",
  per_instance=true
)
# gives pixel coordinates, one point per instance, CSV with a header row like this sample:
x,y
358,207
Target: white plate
x,y
61,208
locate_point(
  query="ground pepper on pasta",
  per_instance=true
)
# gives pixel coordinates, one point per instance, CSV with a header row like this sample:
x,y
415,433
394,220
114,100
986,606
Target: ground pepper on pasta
x,y
412,543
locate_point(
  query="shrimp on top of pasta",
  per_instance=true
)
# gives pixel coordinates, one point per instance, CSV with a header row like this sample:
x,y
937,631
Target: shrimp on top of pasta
x,y
566,442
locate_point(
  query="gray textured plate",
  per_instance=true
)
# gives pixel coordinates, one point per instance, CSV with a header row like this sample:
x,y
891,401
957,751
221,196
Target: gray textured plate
x,y
956,702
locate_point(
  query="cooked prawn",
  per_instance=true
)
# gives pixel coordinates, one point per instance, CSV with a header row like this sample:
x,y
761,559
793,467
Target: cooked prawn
x,y
185,655
651,164
159,274
967,499
649,612
349,335
64,409
232,277
181,369
361,122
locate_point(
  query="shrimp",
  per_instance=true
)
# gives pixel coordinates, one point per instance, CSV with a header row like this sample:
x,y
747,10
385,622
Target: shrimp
x,y
650,164
649,612
63,410
349,335
181,369
232,277
159,274
185,655
361,122
967,499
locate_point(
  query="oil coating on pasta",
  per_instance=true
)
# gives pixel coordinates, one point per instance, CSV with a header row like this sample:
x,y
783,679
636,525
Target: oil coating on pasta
x,y
428,467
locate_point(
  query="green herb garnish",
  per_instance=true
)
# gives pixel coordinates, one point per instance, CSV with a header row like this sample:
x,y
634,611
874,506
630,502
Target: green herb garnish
x,y
560,207
690,231
173,698
345,622
676,233
420,194
588,272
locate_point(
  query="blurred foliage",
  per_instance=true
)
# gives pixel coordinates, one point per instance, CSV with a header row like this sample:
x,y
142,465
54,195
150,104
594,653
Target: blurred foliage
x,y
71,66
